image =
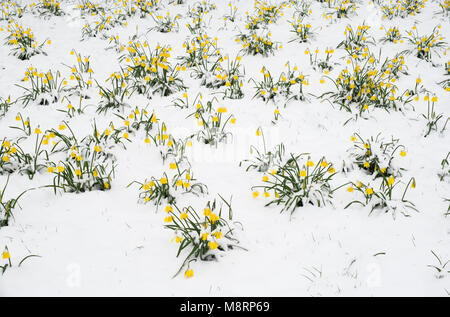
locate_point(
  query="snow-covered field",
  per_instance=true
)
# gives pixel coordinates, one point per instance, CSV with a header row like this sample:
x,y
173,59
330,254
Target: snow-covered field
x,y
124,120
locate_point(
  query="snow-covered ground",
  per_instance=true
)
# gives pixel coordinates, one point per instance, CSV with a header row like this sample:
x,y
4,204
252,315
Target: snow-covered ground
x,y
109,242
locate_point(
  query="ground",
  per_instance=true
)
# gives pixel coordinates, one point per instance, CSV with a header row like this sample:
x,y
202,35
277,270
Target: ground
x,y
109,242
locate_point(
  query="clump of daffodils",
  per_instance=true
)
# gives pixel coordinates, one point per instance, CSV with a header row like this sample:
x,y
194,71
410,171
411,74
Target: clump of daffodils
x,y
10,9
23,41
81,75
370,82
231,16
149,71
432,117
213,125
356,40
302,30
28,154
47,8
88,7
318,63
392,35
260,43
8,162
203,6
155,190
302,9
169,147
115,95
266,12
203,236
198,12
164,189
427,45
402,8
231,77
340,9
43,88
165,23
383,198
211,67
263,160
100,26
143,8
289,85
444,5
137,119
376,156
88,165
203,57
298,183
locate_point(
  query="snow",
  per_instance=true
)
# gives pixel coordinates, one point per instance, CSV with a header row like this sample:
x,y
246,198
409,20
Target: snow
x,y
106,243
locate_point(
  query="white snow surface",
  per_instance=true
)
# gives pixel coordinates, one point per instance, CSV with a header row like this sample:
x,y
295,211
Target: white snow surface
x,y
105,243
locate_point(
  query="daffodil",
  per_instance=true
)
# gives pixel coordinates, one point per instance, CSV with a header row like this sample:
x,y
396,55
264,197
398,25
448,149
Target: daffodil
x,y
213,245
213,218
189,273
391,180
